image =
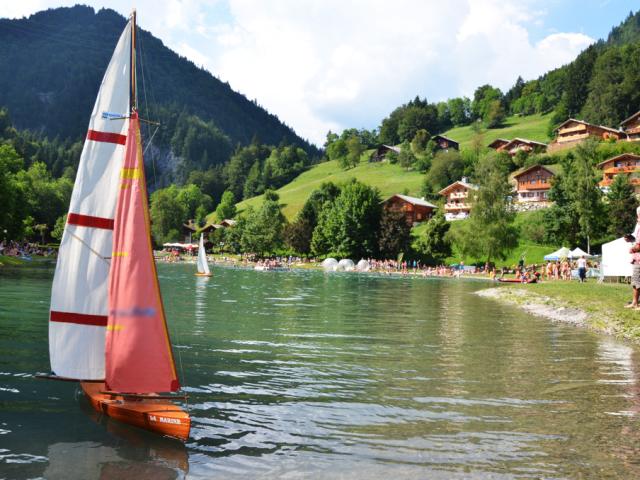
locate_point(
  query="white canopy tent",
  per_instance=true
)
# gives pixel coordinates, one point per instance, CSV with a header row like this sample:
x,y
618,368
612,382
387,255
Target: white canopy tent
x,y
616,259
578,252
563,252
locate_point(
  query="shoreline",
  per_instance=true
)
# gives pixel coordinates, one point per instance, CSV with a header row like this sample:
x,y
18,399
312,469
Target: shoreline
x,y
560,307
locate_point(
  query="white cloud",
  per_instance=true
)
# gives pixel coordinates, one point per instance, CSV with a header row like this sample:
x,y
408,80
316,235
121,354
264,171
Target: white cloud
x,y
23,8
336,64
349,64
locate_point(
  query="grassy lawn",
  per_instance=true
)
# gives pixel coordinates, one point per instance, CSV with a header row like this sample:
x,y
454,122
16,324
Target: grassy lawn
x,y
389,179
604,302
533,127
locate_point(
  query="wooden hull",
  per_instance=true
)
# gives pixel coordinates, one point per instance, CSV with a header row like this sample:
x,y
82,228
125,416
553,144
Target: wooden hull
x,y
160,416
204,274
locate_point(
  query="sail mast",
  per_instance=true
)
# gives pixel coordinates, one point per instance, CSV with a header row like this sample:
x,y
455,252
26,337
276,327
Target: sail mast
x,y
133,97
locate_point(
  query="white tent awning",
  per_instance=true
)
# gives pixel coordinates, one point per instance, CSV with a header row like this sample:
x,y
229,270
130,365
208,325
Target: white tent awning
x,y
616,259
578,252
563,252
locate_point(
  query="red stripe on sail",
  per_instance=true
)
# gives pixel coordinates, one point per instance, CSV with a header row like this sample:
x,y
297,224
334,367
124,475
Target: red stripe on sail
x,y
89,221
108,137
78,318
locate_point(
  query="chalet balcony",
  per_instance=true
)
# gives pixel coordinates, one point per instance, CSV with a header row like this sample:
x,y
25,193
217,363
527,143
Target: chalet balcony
x,y
457,206
579,128
458,195
606,182
629,169
562,138
525,187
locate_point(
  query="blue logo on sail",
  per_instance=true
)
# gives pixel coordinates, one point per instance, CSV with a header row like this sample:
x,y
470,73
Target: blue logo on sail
x,y
113,116
134,312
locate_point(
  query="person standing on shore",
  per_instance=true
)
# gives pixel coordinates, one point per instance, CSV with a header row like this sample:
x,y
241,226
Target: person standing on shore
x,y
582,269
635,262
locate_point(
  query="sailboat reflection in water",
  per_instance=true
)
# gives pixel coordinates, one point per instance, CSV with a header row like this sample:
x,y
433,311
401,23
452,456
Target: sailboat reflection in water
x,y
107,324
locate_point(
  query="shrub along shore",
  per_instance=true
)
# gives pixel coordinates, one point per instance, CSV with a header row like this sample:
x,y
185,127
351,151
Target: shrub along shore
x,y
597,306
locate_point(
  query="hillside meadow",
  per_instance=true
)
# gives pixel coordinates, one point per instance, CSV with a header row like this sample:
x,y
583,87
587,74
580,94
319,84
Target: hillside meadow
x,y
391,179
532,127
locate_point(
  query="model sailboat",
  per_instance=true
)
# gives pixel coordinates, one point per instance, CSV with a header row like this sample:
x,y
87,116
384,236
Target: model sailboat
x,y
107,324
203,266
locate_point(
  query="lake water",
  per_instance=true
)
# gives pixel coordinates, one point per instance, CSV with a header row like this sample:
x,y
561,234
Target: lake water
x,y
312,375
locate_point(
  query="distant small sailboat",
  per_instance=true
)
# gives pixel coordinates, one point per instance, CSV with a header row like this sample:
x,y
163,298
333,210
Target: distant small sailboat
x,y
203,266
107,325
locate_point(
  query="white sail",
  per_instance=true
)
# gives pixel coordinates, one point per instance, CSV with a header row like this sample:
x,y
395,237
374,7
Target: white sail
x,y
203,267
79,300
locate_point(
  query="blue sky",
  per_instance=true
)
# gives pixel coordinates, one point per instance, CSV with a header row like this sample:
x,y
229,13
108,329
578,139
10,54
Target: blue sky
x,y
335,64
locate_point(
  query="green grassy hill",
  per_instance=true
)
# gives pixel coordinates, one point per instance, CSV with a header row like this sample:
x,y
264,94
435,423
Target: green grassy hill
x,y
390,179
532,127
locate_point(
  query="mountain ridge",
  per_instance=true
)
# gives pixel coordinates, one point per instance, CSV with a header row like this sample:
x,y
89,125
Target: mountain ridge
x,y
52,62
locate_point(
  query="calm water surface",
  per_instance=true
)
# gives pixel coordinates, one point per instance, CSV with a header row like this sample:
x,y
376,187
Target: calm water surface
x,y
307,375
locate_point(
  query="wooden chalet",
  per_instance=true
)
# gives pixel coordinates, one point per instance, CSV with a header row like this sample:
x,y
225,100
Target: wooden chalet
x,y
210,227
457,202
533,184
523,145
574,131
415,209
626,164
498,144
381,152
445,143
631,127
189,230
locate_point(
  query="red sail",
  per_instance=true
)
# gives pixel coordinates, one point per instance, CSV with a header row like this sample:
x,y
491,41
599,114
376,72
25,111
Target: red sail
x,y
138,351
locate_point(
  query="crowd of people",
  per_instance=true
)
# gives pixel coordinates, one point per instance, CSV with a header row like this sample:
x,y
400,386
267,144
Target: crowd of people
x,y
556,270
25,249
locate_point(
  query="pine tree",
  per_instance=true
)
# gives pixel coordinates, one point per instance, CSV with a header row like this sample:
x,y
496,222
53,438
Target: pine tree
x,y
622,204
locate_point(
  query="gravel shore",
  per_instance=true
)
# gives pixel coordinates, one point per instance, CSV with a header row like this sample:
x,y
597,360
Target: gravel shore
x,y
538,305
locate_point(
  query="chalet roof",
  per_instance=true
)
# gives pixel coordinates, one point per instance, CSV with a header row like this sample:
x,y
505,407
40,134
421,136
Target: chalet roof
x,y
413,200
228,222
630,119
527,141
498,142
615,130
211,226
190,225
617,157
552,169
446,189
390,147
446,138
